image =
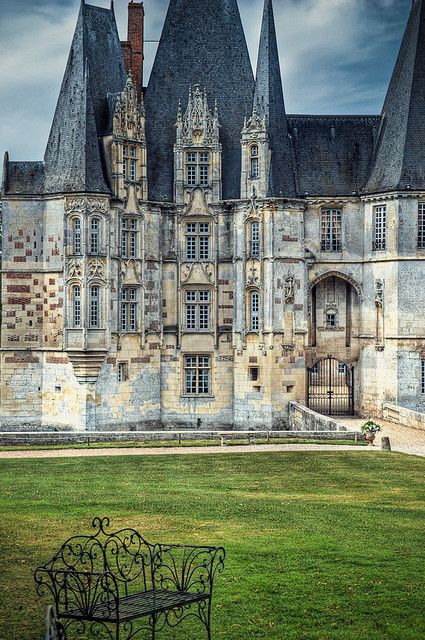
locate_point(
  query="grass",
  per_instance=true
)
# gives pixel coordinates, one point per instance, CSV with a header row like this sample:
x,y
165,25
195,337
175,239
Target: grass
x,y
320,546
173,443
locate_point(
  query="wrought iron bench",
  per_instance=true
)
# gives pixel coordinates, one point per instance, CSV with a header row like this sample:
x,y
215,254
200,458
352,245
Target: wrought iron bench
x,y
118,586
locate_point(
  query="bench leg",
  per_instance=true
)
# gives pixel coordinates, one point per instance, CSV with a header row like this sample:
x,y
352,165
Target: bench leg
x,y
153,626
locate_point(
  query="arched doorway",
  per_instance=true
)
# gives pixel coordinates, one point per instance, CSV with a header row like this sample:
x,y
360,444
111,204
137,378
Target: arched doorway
x,y
330,387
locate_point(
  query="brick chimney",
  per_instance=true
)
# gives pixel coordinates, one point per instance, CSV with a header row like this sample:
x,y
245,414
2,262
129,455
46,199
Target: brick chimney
x,y
132,49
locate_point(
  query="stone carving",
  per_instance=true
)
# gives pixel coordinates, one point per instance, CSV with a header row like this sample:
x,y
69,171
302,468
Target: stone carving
x,y
129,116
289,290
97,268
252,277
198,125
131,271
75,268
86,204
379,293
198,273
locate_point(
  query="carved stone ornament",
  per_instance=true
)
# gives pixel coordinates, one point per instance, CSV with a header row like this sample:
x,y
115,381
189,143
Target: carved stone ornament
x,y
132,271
254,124
198,273
96,268
198,125
379,293
75,268
289,290
86,204
252,275
129,116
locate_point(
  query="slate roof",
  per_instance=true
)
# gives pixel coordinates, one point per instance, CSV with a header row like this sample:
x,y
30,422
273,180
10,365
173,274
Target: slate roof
x,y
269,102
400,158
74,160
333,154
24,178
203,43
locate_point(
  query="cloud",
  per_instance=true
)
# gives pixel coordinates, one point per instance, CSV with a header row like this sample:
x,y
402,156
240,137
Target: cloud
x,y
336,56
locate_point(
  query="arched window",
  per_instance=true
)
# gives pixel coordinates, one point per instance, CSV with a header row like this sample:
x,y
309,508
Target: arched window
x,y
254,243
76,236
95,307
94,235
76,306
254,311
254,166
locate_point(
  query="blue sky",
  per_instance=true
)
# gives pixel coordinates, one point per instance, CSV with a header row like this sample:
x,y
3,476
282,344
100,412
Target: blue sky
x,y
336,57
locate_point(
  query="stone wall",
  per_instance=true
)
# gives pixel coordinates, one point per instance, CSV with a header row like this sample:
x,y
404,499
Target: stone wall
x,y
403,416
303,419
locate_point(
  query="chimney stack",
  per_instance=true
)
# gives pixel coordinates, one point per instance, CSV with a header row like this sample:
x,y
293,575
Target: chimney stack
x,y
132,49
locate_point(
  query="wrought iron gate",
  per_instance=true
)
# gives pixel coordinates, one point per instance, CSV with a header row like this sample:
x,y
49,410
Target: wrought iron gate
x,y
330,387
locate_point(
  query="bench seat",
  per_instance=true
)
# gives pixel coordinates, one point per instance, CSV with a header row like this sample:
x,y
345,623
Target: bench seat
x,y
138,605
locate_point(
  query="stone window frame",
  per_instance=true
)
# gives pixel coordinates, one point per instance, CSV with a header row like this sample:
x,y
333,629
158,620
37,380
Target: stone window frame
x,y
197,169
198,308
253,313
192,362
379,227
197,235
95,308
132,306
130,238
331,310
254,161
76,239
122,371
95,239
75,310
130,158
423,375
331,229
254,244
421,225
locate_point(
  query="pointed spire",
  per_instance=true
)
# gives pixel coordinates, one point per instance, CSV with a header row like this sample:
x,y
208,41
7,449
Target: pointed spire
x,y
269,104
202,43
73,158
399,158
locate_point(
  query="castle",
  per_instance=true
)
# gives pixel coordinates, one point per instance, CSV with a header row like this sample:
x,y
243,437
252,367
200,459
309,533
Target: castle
x,y
190,255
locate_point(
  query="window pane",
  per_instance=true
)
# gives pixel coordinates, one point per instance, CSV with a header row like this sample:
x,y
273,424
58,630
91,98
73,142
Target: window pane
x,y
204,247
204,156
421,225
203,175
133,170
191,247
255,240
191,156
76,306
254,168
94,235
191,175
379,228
77,236
254,311
331,230
94,307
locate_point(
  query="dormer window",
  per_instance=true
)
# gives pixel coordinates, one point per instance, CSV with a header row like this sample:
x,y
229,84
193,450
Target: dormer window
x,y
254,162
197,168
130,163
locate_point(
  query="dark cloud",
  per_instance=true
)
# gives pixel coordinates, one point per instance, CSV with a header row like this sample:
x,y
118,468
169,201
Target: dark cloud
x,y
337,56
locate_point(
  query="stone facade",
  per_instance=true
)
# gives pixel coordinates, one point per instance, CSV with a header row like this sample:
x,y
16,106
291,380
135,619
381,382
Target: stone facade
x,y
201,312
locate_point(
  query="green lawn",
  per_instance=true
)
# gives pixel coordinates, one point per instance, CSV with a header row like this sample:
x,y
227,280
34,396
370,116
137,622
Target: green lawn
x,y
319,545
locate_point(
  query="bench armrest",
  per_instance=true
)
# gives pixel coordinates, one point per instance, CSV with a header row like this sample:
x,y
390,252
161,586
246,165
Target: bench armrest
x,y
79,591
186,568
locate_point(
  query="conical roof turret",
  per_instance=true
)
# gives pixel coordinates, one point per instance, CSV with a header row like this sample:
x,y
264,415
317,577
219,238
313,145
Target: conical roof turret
x,y
269,103
202,43
74,159
399,159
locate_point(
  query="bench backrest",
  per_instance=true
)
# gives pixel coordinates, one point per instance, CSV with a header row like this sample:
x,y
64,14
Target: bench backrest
x,y
124,553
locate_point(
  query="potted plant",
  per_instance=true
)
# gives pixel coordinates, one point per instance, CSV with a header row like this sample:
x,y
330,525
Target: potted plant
x,y
370,429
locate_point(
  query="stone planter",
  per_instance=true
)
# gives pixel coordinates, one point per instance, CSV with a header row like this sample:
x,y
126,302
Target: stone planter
x,y
370,437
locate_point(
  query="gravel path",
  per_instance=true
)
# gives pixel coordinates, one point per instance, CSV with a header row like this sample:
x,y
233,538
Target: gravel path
x,y
404,440
169,451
